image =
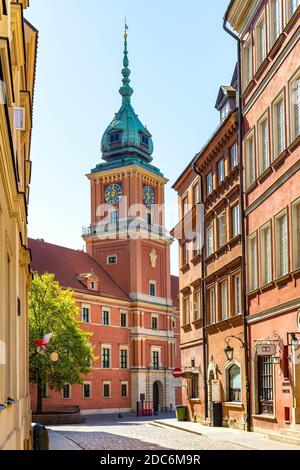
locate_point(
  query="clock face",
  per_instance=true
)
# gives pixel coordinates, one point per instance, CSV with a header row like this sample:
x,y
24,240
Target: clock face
x,y
149,196
113,194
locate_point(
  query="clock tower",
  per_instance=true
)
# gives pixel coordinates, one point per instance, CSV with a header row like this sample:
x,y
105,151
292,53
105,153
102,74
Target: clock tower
x,y
127,237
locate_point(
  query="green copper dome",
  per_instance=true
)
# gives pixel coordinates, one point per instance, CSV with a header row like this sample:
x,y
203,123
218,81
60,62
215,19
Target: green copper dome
x,y
126,135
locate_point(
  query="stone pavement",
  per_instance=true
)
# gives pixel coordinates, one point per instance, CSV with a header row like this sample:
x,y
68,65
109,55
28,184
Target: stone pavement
x,y
252,440
109,432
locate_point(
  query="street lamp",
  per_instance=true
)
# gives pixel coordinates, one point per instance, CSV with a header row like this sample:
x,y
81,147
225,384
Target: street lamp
x,y
293,340
229,352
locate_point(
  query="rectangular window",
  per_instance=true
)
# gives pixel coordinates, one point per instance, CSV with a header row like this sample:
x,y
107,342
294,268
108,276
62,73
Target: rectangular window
x,y
292,7
223,298
210,240
193,387
237,294
281,242
196,198
186,311
233,156
279,127
276,20
209,183
247,56
123,359
197,305
261,42
149,218
296,233
295,107
19,117
154,323
114,137
221,171
87,393
185,206
124,389
106,390
185,253
250,160
152,288
112,259
155,359
265,384
85,314
252,262
66,392
225,110
123,320
222,237
211,306
266,254
263,145
236,221
114,217
105,317
105,358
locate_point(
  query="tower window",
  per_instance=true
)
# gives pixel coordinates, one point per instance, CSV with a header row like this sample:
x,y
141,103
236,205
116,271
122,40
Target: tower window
x,y
114,137
152,288
145,140
112,259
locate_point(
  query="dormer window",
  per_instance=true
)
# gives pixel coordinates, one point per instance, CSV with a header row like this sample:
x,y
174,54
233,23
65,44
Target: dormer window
x,y
92,285
145,140
224,111
115,137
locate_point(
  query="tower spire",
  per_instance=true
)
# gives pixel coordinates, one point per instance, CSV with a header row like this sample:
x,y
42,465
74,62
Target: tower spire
x,y
126,91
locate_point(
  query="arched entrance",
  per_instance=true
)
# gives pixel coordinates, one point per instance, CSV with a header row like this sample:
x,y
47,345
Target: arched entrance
x,y
157,396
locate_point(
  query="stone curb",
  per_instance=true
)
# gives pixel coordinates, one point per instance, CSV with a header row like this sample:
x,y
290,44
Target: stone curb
x,y
174,426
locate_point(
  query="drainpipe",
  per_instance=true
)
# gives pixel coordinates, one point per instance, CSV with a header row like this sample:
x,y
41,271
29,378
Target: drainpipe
x,y
242,215
204,344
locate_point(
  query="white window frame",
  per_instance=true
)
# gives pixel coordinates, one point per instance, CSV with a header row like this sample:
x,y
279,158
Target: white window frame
x,y
152,282
156,349
233,161
247,62
295,233
196,304
111,256
289,8
126,314
106,346
212,304
263,255
210,247
224,314
209,183
222,229
235,220
278,242
250,162
261,42
124,348
88,307
237,311
20,127
252,271
87,382
186,318
105,309
276,131
70,392
227,367
294,97
194,189
154,315
263,145
106,382
275,30
221,170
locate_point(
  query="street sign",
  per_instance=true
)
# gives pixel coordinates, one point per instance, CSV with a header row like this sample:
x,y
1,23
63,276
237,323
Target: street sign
x,y
265,349
177,372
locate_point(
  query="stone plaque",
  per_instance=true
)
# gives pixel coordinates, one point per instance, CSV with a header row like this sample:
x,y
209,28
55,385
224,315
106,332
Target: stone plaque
x,y
216,390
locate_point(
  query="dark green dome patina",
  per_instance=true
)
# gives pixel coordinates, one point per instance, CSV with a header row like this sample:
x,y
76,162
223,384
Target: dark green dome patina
x,y
126,136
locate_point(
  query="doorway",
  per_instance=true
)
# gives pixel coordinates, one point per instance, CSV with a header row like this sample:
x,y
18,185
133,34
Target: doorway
x,y
157,396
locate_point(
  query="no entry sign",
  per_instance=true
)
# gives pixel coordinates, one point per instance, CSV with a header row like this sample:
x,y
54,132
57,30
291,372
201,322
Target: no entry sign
x,y
177,373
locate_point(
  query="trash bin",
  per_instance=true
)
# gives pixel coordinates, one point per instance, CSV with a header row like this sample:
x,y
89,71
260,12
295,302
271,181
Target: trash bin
x,y
40,437
216,414
181,413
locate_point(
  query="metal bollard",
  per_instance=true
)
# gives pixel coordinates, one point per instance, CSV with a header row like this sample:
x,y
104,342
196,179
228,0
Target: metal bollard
x,y
40,437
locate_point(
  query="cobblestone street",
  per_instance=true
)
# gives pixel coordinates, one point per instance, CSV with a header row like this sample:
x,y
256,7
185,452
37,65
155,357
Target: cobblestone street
x,y
130,433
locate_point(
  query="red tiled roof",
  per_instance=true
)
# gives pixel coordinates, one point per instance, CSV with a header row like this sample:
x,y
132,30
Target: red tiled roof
x,y
175,290
66,264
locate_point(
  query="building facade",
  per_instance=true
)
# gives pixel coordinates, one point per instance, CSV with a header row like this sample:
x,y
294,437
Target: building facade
x,y
135,322
270,49
17,74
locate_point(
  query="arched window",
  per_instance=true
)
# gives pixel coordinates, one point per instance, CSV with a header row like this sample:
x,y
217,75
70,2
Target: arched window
x,y
234,376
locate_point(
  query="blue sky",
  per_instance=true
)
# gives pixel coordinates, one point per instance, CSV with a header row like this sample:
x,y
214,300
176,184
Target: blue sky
x,y
179,56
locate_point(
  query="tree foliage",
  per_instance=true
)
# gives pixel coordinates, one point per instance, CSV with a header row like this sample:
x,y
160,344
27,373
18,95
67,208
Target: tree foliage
x,y
54,310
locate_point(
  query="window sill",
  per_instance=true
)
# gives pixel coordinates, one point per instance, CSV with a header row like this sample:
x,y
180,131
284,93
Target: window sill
x,y
233,404
248,87
279,160
277,45
261,68
283,279
294,143
185,268
197,323
265,417
210,258
187,327
235,241
196,260
251,187
195,400
267,286
264,174
221,250
253,292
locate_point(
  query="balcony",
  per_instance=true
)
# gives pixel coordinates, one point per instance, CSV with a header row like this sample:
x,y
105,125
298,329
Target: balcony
x,y
139,331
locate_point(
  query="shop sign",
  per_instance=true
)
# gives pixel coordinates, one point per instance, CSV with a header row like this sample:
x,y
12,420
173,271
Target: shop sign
x,y
266,349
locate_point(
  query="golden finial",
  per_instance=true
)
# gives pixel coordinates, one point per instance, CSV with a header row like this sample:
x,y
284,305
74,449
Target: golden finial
x,y
126,29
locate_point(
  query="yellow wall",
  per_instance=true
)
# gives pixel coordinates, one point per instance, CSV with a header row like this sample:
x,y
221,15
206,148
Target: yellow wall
x,y
18,75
